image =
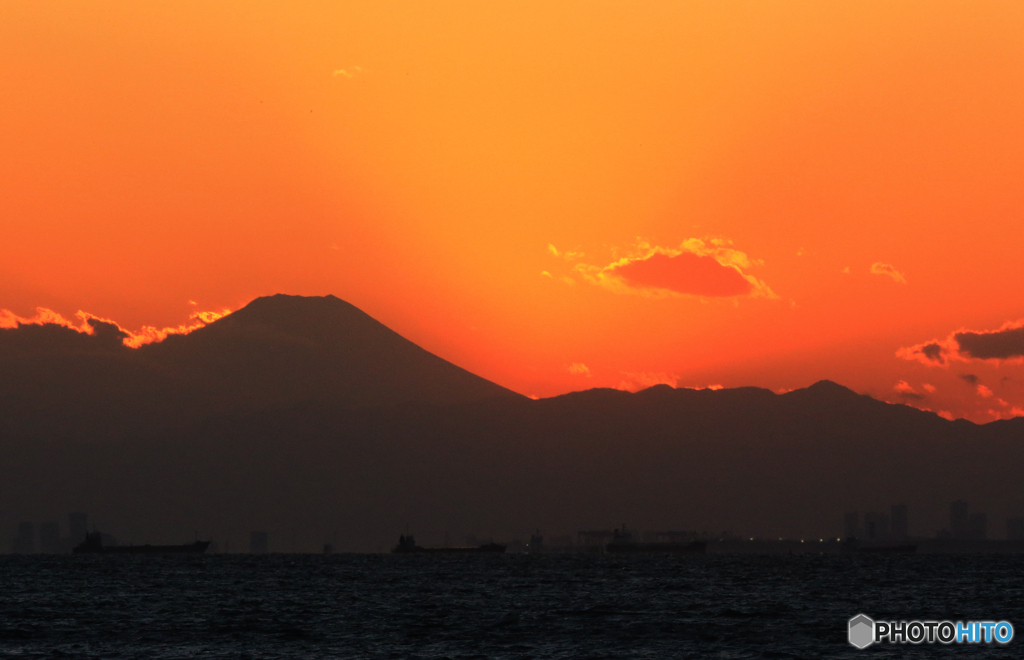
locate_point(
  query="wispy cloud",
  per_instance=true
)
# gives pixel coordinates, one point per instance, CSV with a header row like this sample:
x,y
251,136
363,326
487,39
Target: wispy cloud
x,y
579,369
907,391
565,279
350,72
568,255
878,268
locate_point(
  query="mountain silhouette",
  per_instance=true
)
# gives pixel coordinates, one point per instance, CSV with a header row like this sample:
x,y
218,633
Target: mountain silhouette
x,y
305,417
277,351
282,350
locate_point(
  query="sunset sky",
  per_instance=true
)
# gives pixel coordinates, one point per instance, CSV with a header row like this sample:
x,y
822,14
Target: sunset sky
x,y
553,195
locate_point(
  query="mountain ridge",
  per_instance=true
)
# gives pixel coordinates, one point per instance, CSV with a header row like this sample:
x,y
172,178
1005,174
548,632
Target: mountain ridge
x,y
276,351
182,436
298,322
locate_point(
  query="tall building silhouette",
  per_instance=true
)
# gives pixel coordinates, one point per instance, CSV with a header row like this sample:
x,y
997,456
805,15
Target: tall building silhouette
x,y
977,526
8,528
1015,529
78,523
851,524
49,537
899,526
959,519
25,541
259,543
876,525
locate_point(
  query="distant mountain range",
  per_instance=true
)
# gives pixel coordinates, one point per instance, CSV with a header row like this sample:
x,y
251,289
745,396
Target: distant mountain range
x,y
306,418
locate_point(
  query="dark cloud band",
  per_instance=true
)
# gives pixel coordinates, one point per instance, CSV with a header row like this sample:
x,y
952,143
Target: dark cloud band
x,y
1006,343
999,345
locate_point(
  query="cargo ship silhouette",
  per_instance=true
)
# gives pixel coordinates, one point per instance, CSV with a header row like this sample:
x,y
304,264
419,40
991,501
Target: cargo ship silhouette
x,y
407,545
852,544
622,542
93,545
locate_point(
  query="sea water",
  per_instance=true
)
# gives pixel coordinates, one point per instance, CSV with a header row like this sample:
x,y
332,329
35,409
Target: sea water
x,y
504,606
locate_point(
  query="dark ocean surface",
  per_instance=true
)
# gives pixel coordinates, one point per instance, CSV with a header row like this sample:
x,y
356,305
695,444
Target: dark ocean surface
x,y
507,606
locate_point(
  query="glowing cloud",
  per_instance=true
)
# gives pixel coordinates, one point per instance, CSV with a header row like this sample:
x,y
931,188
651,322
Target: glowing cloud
x,y
579,369
149,334
906,390
9,320
706,269
934,353
569,255
878,268
146,335
904,387
564,279
685,273
348,73
636,381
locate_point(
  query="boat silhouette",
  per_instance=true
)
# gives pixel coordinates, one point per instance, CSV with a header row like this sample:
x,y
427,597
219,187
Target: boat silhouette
x,y
407,545
905,549
622,542
853,544
93,545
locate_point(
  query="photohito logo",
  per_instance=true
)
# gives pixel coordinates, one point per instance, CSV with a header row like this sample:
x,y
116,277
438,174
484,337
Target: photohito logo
x,y
863,632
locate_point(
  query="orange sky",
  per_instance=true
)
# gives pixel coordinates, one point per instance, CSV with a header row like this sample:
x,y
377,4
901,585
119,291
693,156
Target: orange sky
x,y
554,195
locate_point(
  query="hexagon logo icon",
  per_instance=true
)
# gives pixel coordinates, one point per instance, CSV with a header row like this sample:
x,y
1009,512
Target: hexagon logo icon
x,y
862,631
